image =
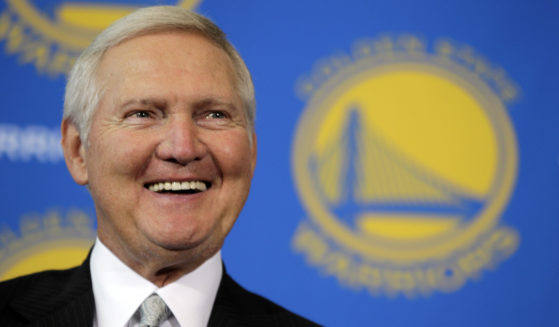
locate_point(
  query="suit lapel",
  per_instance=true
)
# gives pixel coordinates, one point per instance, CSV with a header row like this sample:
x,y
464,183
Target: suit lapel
x,y
235,306
225,310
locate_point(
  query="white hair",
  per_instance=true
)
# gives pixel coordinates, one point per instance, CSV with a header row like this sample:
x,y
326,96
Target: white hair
x,y
83,91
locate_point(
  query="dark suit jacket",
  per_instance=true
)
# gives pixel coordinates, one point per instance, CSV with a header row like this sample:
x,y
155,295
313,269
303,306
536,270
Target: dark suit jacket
x,y
65,298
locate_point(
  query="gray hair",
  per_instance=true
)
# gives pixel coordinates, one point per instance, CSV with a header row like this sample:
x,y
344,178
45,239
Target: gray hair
x,y
83,91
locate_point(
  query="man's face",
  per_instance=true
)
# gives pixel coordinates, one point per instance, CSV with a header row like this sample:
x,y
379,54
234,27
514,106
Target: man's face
x,y
170,117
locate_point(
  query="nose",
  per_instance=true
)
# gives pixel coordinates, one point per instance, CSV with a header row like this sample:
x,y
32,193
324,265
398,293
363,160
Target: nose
x,y
181,143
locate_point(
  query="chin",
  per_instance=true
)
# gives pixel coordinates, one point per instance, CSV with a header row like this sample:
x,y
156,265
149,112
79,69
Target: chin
x,y
176,241
186,252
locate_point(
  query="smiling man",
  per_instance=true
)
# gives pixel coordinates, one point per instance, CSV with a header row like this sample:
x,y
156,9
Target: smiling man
x,y
158,124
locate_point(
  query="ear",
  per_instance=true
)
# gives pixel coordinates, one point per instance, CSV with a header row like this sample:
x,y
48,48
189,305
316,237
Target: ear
x,y
254,151
74,152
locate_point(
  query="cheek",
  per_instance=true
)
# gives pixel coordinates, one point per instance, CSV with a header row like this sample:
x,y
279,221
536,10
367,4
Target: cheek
x,y
234,155
120,154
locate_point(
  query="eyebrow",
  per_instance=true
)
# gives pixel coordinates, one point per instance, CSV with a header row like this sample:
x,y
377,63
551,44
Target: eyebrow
x,y
146,102
208,102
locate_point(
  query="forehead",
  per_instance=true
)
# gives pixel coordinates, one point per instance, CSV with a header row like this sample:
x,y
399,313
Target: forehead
x,y
169,52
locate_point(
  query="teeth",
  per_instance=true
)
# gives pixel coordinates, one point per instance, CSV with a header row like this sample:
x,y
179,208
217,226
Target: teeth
x,y
177,186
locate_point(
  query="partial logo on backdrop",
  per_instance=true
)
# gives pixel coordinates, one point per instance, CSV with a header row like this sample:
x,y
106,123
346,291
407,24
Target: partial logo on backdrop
x,y
30,143
55,240
51,35
405,159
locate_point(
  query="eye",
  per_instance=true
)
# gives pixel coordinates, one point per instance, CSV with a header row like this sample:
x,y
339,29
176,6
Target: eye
x,y
216,115
143,117
141,114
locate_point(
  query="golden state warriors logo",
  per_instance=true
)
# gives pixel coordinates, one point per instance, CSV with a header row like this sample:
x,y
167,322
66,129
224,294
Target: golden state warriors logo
x,y
51,35
45,242
405,159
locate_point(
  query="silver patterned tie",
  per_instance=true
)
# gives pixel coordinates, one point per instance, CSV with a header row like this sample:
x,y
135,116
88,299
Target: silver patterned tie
x,y
153,311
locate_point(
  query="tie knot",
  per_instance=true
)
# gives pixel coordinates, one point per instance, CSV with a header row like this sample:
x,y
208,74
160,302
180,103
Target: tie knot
x,y
153,311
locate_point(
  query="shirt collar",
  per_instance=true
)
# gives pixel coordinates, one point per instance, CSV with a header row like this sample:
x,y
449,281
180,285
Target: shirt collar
x,y
119,291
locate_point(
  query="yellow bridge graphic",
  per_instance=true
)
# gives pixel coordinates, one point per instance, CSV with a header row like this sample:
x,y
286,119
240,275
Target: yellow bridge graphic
x,y
375,190
91,16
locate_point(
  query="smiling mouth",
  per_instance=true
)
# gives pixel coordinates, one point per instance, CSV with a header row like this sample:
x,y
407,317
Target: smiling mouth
x,y
179,187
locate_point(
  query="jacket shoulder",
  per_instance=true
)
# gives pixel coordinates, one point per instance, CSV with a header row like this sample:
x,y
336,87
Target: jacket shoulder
x,y
42,283
30,297
235,306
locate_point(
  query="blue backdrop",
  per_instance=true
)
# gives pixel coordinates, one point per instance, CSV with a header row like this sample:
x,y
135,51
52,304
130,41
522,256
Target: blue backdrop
x,y
408,155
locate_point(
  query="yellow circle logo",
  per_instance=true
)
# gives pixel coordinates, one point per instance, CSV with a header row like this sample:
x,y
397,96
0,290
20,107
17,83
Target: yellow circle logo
x,y
51,36
47,242
405,161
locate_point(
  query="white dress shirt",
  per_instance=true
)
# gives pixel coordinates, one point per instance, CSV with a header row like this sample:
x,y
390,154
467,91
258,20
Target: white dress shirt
x,y
119,291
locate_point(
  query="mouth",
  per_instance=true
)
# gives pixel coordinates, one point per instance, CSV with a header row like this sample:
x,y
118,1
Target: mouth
x,y
174,187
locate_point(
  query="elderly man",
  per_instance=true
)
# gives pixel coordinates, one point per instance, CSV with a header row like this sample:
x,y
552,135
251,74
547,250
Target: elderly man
x,y
158,123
